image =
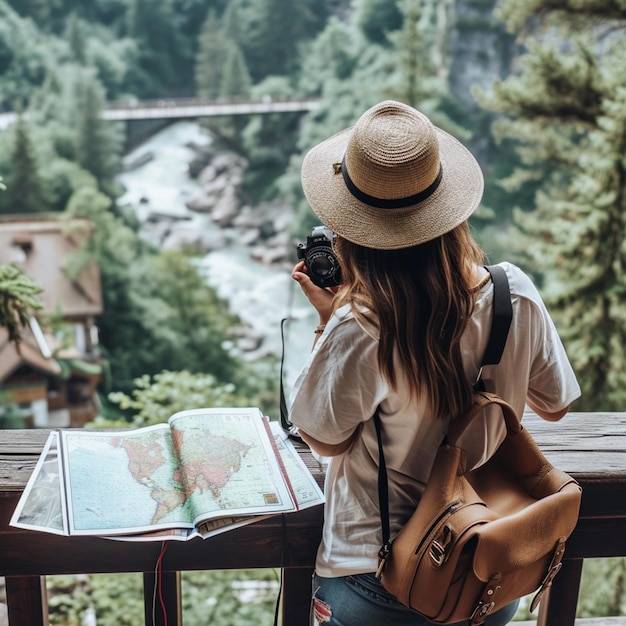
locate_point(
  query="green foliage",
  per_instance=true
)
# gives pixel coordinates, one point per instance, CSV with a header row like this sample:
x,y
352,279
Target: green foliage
x,y
155,399
24,53
25,192
268,142
566,110
235,81
210,58
117,599
377,18
330,57
75,33
573,13
275,30
68,599
63,147
190,323
17,300
161,47
230,598
97,144
62,178
602,588
416,53
417,62
209,598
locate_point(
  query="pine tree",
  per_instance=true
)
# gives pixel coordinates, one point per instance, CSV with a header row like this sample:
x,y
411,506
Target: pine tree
x,y
25,189
76,38
231,23
210,58
163,52
415,64
235,80
98,142
276,29
419,53
567,110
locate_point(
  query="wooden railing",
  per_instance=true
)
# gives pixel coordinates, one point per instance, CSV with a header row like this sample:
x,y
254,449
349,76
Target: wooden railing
x,y
590,446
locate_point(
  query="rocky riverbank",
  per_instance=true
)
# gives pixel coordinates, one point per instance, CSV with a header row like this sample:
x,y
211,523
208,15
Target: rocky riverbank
x,y
187,196
262,228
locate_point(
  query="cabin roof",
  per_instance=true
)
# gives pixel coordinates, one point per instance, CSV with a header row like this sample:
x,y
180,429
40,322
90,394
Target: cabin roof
x,y
41,247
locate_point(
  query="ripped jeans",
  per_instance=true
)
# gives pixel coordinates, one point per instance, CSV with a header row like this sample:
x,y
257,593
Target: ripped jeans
x,y
361,600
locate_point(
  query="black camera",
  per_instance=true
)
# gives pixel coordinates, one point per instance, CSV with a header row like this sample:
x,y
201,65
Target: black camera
x,y
321,263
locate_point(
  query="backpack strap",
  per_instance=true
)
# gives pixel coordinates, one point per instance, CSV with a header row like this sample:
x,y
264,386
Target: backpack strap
x,y
500,321
500,325
502,316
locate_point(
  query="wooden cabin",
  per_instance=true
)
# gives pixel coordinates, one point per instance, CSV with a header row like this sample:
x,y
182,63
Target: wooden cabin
x,y
51,380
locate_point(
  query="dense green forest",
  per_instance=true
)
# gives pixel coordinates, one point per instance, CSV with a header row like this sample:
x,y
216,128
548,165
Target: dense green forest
x,y
548,84
534,87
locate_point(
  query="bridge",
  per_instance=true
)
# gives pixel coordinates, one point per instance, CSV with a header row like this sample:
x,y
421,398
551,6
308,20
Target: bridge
x,y
183,108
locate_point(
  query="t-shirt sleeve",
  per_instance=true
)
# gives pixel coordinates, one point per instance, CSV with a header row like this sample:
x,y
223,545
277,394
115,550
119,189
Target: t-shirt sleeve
x,y
340,386
552,384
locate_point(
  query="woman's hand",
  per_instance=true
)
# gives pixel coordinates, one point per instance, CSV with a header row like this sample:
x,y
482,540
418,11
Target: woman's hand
x,y
321,299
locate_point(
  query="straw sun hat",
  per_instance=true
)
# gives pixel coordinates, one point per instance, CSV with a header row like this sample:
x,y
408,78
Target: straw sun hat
x,y
393,180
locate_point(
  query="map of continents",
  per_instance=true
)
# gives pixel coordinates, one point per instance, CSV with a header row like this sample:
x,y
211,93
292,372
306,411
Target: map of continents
x,y
202,465
210,461
145,460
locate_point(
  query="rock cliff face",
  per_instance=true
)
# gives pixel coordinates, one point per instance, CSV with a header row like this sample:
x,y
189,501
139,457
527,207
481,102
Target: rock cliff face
x,y
481,49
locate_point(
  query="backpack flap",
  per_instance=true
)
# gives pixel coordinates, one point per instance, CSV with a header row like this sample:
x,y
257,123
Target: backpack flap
x,y
520,540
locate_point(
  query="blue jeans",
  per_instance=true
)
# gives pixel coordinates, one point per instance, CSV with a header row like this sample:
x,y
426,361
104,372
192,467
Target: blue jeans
x,y
361,600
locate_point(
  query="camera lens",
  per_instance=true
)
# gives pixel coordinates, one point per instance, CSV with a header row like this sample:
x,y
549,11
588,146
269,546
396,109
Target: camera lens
x,y
321,266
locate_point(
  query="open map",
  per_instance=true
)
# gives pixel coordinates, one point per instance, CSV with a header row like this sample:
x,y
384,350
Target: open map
x,y
204,470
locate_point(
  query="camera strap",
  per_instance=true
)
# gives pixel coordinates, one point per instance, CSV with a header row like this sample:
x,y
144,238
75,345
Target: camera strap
x,y
286,425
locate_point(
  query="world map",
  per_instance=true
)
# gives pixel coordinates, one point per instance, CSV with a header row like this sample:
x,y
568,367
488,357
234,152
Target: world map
x,y
173,475
209,463
132,485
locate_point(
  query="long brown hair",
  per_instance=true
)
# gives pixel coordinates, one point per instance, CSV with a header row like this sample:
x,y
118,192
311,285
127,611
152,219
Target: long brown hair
x,y
421,299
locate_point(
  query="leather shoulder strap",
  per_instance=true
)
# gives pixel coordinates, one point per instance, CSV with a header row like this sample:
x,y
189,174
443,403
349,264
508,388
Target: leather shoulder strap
x,y
500,325
482,400
502,315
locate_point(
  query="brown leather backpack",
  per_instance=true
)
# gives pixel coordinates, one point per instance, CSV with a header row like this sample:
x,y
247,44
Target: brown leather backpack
x,y
480,539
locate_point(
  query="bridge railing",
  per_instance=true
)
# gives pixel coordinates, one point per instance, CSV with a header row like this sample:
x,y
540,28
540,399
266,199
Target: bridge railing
x,y
182,108
160,103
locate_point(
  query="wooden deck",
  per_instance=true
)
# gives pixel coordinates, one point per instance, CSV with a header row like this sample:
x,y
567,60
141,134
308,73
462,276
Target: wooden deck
x,y
590,446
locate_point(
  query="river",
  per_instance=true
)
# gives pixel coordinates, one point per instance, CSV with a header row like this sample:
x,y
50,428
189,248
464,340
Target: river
x,y
259,294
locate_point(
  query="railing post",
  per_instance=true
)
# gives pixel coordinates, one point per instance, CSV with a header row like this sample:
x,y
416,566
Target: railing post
x,y
162,591
558,608
27,600
296,595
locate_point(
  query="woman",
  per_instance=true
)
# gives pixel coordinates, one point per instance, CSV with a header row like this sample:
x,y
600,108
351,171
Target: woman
x,y
405,331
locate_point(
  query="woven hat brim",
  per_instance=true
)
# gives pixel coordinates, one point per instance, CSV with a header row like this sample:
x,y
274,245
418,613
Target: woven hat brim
x,y
457,197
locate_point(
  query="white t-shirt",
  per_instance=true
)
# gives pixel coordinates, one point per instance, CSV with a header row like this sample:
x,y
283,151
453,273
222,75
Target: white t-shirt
x,y
341,385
